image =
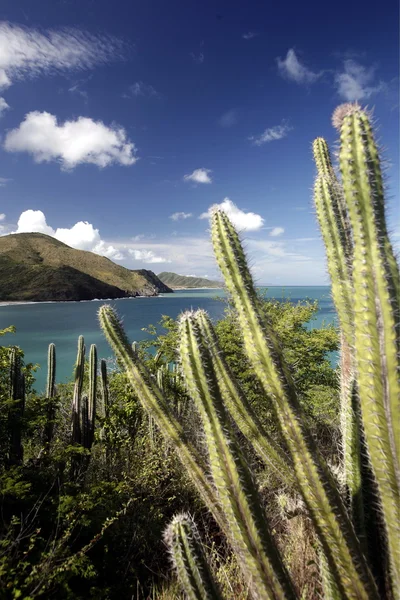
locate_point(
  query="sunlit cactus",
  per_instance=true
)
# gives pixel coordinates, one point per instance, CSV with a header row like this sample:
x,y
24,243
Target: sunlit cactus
x,y
189,559
16,410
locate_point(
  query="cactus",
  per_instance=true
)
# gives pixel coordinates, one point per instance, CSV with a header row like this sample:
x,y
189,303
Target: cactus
x,y
77,397
240,409
50,397
376,317
92,396
104,388
16,410
156,405
365,288
248,530
329,515
189,559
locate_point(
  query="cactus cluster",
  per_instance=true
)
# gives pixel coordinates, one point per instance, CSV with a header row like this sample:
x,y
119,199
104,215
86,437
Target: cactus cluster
x,y
365,289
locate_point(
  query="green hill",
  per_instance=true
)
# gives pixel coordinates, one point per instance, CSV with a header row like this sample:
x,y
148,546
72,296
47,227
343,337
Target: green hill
x,y
37,267
175,281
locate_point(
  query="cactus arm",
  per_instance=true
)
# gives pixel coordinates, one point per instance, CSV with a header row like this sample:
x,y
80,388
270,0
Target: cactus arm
x,y
51,371
240,409
104,387
92,397
156,406
248,529
326,508
189,559
76,400
375,313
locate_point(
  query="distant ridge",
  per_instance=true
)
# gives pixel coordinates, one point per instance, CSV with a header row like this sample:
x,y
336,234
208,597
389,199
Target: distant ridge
x,y
37,267
175,281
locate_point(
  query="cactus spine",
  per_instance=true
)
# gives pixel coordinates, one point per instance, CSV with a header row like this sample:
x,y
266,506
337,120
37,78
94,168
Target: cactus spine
x,y
376,317
248,530
189,559
92,396
77,397
156,405
50,396
319,491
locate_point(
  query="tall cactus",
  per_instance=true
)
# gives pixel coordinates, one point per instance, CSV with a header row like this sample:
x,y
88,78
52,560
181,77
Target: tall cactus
x,y
92,395
77,397
365,287
50,396
189,559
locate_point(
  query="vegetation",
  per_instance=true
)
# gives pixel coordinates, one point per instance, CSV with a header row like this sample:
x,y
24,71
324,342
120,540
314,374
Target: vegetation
x,y
290,468
37,267
175,281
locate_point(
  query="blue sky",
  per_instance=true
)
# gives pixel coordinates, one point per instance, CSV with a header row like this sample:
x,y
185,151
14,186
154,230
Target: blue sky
x,y
124,122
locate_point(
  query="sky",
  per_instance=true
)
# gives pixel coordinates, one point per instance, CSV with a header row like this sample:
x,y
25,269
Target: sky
x,y
123,123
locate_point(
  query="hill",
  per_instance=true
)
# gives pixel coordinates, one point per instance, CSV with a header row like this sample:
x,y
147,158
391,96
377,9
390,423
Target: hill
x,y
37,267
176,282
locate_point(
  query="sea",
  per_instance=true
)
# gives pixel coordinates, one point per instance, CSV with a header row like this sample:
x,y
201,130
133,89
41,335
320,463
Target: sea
x,y
39,324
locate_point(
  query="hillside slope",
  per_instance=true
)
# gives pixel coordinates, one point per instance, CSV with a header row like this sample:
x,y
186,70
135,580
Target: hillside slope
x,y
37,267
175,281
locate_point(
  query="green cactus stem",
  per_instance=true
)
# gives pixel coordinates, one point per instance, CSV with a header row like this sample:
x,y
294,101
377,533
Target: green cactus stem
x,y
329,515
376,317
189,559
157,406
77,397
104,387
248,531
239,407
92,396
48,430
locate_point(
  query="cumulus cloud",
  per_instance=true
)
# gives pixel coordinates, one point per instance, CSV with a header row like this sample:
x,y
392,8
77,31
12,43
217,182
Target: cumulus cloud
x,y
271,134
179,216
244,221
228,119
199,176
4,181
2,216
275,231
3,106
82,235
147,256
28,52
354,82
291,68
72,142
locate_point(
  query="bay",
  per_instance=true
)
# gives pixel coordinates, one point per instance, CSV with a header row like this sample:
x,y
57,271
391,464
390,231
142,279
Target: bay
x,y
39,324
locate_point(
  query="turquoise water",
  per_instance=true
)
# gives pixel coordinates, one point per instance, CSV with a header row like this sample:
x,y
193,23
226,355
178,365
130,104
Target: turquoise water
x,y
62,322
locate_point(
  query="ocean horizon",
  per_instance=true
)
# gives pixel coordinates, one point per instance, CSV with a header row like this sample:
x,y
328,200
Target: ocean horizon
x,y
40,323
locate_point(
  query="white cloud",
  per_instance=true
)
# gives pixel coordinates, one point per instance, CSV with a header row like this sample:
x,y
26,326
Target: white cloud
x,y
275,231
228,119
249,35
353,83
271,134
70,143
147,256
29,52
82,235
33,221
291,68
142,89
199,176
244,221
3,106
178,216
4,181
2,216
